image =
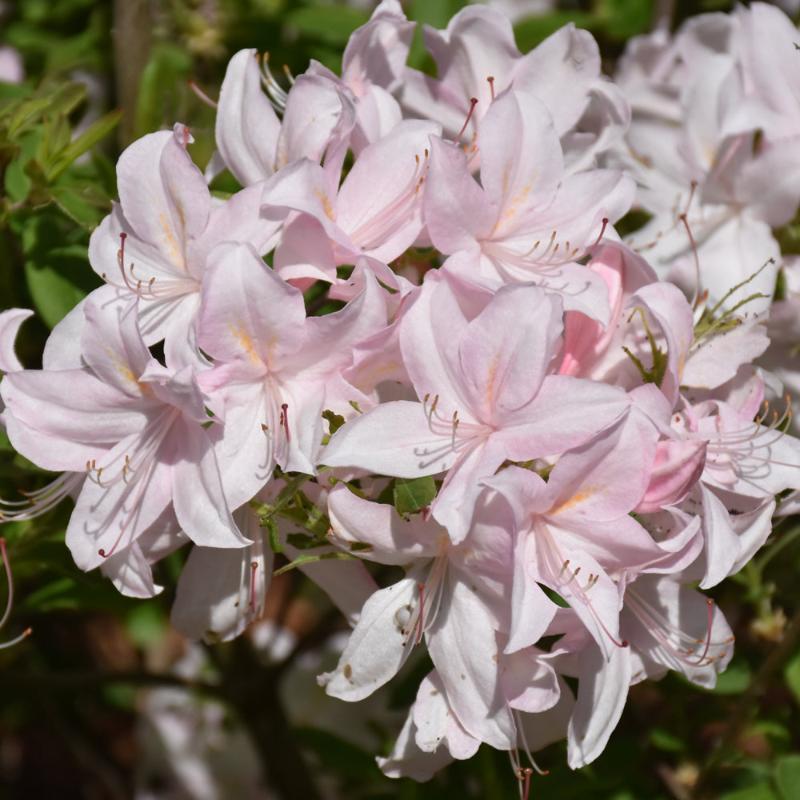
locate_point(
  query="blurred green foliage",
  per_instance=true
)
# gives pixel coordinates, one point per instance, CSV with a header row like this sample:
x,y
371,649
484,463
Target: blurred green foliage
x,y
100,74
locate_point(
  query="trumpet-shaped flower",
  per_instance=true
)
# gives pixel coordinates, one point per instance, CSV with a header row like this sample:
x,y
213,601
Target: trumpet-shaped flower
x,y
135,429
485,396
451,598
528,221
153,246
275,370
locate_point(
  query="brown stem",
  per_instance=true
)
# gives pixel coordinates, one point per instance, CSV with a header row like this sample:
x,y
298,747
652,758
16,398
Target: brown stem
x,y
133,23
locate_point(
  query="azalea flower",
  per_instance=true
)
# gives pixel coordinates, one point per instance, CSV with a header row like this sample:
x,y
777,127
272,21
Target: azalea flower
x,y
484,394
529,221
134,427
153,246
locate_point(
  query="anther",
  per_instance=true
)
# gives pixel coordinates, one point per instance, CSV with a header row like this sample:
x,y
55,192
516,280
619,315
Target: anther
x,y
524,777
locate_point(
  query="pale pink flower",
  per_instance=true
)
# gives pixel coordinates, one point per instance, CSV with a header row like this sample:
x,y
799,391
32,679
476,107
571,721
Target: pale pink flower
x,y
134,427
317,117
485,396
451,598
275,369
528,221
154,244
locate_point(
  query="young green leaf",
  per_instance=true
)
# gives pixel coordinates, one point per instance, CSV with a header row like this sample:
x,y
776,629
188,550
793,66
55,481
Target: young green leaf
x,y
412,495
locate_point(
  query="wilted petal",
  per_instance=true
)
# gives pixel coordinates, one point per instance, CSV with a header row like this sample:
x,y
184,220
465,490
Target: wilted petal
x,y
378,646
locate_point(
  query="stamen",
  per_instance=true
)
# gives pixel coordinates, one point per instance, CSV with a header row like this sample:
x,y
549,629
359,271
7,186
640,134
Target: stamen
x,y
9,578
676,642
9,599
40,501
17,639
696,258
277,95
709,624
490,80
126,468
524,777
473,101
692,190
520,734
284,421
122,467
421,615
580,591
201,95
374,229
602,232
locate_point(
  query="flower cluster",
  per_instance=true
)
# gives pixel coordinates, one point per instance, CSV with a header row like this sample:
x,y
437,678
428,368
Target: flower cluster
x,y
570,421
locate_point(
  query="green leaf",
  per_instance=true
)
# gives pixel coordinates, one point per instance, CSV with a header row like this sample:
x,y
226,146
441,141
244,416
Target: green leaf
x,y
17,182
735,679
759,791
787,777
168,68
412,495
57,134
302,541
56,268
61,99
335,421
54,295
300,561
274,535
777,732
625,18
96,132
82,201
791,674
330,24
664,740
435,13
146,623
534,30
